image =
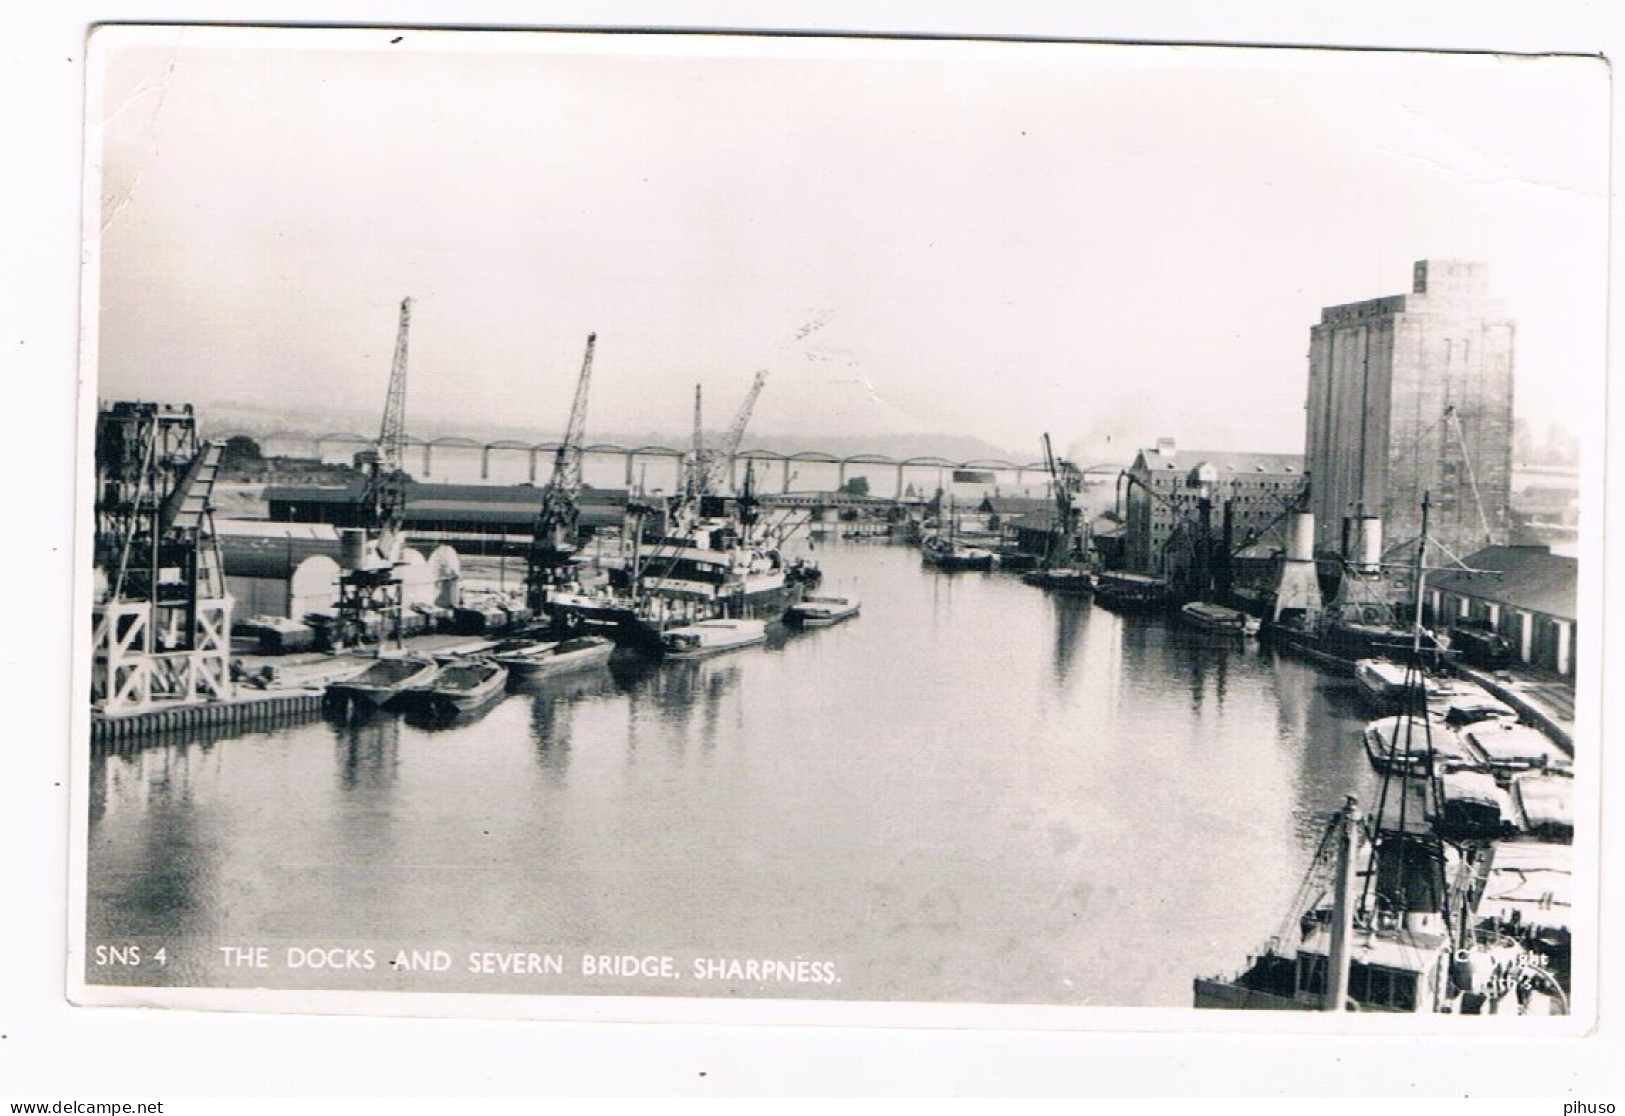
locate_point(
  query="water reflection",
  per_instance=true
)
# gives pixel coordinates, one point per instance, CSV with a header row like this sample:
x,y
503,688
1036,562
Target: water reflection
x,y
368,745
973,790
153,852
1068,613
550,735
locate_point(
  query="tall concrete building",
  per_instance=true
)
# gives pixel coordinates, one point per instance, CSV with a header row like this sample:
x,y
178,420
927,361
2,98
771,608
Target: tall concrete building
x,y
1410,394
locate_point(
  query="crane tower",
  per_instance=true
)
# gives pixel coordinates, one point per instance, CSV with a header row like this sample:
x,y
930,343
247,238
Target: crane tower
x,y
558,523
161,617
369,585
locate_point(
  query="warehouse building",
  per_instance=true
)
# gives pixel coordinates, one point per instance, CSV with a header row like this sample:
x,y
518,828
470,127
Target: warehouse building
x,y
450,513
1167,486
1527,595
291,571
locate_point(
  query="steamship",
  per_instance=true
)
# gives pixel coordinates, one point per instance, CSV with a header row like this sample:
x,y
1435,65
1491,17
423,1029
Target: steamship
x,y
707,570
1360,621
1400,917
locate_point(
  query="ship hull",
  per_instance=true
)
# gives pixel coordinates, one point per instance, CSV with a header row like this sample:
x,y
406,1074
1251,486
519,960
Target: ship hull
x,y
1339,648
640,624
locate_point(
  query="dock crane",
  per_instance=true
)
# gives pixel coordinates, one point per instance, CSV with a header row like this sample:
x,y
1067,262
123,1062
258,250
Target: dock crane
x,y
713,465
704,476
369,584
558,522
1065,482
736,430
161,615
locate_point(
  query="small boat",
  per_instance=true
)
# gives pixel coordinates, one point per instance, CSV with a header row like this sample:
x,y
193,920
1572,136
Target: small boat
x,y
1210,617
1529,894
803,572
711,637
1401,744
1545,804
466,685
385,681
820,612
1015,560
1129,592
1382,683
1508,749
1473,807
944,550
1467,705
948,553
540,659
1061,579
1386,684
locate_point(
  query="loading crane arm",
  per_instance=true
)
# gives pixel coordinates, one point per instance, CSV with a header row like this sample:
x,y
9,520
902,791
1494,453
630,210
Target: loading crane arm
x,y
384,498
559,516
1064,483
736,430
558,520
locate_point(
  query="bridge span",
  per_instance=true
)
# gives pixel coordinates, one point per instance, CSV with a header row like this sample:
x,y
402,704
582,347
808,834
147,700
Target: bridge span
x,y
935,472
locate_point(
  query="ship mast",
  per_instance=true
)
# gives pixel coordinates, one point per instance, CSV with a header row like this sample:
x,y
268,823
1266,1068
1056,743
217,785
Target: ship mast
x,y
1337,959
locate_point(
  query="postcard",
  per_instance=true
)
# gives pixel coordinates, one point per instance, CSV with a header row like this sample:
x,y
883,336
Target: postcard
x,y
815,528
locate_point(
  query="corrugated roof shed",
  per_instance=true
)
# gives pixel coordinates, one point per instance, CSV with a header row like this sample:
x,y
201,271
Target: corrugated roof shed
x,y
1530,578
530,495
1015,505
274,529
259,556
1033,521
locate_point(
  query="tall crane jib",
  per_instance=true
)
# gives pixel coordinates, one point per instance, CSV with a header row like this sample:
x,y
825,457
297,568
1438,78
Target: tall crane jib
x,y
162,616
1065,483
369,588
715,465
387,480
558,522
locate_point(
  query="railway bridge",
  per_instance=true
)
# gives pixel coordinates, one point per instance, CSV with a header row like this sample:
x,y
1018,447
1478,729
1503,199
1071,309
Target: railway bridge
x,y
928,472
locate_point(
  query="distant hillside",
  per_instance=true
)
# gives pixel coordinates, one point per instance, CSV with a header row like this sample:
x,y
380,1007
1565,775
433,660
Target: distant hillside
x,y
246,418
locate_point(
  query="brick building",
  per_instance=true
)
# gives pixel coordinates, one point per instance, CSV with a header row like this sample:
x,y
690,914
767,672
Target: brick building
x,y
1167,485
1410,394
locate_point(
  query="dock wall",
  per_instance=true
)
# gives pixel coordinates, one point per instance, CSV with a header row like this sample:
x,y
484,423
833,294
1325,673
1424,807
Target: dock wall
x,y
247,712
1533,712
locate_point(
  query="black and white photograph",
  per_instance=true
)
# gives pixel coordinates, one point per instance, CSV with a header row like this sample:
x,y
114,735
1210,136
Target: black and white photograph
x,y
633,526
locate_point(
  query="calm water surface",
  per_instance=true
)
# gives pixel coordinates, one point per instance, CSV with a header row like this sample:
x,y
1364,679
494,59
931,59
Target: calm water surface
x,y
973,791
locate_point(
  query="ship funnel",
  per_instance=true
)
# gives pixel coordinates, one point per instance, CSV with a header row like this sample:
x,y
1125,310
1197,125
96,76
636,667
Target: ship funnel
x,y
1369,552
1300,536
352,549
1299,588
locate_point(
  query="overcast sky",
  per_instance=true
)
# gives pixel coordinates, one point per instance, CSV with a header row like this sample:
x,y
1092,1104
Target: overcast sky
x,y
987,239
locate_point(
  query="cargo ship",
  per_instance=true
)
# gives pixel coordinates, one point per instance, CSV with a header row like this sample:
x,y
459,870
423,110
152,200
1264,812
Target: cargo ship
x,y
1404,920
1361,620
707,569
